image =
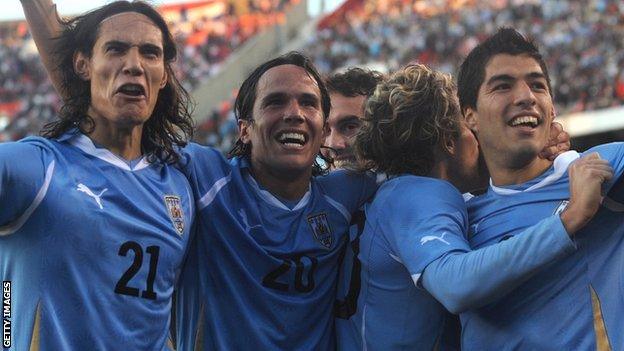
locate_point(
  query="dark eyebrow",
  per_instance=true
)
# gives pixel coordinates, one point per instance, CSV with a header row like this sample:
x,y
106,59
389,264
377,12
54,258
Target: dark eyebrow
x,y
349,119
126,45
508,78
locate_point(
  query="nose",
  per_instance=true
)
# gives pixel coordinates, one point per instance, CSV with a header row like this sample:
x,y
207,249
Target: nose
x,y
132,62
335,141
524,96
293,113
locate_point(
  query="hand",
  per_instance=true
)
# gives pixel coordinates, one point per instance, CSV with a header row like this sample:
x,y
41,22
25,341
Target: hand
x,y
558,142
587,175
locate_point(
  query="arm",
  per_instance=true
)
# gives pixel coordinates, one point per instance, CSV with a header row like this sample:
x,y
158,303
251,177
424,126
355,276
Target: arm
x,y
463,281
22,175
45,24
469,280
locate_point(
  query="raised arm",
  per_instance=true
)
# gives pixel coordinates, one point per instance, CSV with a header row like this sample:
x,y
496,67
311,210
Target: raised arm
x,y
45,25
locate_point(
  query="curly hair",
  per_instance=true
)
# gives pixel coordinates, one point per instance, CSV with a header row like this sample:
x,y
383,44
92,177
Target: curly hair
x,y
246,98
354,81
170,124
406,119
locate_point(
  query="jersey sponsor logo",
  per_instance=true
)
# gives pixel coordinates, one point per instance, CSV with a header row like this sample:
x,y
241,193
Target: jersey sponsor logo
x,y
428,238
321,229
174,208
98,198
6,314
562,206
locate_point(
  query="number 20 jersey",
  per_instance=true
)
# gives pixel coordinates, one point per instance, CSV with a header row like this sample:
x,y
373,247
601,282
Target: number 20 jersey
x,y
267,272
91,246
575,303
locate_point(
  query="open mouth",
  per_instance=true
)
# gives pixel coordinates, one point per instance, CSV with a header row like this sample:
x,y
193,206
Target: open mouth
x,y
130,89
524,121
292,139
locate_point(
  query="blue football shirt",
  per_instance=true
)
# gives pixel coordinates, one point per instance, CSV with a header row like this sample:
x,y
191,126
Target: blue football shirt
x,y
264,274
91,246
575,303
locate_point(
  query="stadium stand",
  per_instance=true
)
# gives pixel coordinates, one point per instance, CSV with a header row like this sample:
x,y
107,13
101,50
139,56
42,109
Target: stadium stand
x,y
582,40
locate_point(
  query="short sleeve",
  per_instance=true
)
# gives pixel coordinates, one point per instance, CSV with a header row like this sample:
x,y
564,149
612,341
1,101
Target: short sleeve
x,y
22,176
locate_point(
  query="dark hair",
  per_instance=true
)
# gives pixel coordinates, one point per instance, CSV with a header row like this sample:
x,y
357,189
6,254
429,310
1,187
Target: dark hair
x,y
170,124
472,71
354,81
246,98
406,119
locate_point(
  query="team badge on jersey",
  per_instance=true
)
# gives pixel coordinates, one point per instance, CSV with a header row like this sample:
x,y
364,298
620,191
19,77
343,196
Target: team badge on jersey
x,y
321,230
174,207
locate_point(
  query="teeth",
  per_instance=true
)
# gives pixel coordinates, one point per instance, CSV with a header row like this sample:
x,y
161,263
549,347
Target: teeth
x,y
292,138
524,120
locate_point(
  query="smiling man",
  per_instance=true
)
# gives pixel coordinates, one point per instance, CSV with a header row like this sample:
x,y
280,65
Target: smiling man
x,y
270,233
348,92
576,303
95,219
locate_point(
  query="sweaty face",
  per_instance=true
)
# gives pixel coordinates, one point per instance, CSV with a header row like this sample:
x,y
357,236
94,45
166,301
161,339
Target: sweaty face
x,y
126,69
287,128
514,110
344,122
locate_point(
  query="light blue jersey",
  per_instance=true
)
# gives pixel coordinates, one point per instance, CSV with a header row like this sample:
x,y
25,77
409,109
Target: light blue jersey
x,y
91,246
576,303
415,233
267,271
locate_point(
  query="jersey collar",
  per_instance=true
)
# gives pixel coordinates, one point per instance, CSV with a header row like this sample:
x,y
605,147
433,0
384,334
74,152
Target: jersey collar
x,y
85,144
265,195
560,166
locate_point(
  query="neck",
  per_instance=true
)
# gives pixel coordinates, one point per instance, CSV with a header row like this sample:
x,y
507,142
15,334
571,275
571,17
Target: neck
x,y
506,174
442,170
285,185
124,142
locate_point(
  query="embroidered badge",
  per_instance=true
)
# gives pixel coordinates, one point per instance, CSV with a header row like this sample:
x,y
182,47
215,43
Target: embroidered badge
x,y
174,207
321,230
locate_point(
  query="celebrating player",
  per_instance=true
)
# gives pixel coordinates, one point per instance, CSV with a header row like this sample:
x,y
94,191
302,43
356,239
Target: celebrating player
x,y
415,227
348,92
95,220
577,302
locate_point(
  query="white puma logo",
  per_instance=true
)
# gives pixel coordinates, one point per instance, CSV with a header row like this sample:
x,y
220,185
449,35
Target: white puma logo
x,y
428,238
98,198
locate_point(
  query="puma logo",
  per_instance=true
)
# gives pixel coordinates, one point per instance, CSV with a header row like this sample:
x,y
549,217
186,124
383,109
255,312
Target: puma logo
x,y
428,238
98,198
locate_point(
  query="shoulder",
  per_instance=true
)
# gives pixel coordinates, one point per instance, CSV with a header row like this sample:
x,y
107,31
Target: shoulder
x,y
611,151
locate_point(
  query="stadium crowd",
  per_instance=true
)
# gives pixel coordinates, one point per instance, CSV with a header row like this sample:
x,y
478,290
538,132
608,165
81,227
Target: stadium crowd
x,y
582,39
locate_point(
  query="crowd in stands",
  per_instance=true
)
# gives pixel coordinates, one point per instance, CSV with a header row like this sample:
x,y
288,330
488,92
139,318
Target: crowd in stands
x,y
582,41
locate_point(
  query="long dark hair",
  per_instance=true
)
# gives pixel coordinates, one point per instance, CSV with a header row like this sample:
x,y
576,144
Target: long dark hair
x,y
170,124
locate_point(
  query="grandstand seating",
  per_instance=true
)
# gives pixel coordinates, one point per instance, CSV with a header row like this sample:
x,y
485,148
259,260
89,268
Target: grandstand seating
x,y
582,42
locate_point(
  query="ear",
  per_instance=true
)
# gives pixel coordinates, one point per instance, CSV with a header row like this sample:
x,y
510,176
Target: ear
x,y
81,66
325,131
244,131
163,82
447,145
470,115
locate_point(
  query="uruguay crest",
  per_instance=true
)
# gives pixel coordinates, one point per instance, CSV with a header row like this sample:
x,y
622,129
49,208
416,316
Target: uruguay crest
x,y
174,207
321,229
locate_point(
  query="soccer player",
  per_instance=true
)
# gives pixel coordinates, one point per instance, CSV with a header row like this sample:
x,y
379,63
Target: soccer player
x,y
577,302
348,92
263,271
95,219
413,247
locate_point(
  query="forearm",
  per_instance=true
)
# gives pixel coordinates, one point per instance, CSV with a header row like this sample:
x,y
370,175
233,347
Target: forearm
x,y
45,25
464,281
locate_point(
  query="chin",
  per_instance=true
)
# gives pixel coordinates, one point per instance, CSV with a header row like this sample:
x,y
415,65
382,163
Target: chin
x,y
523,155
